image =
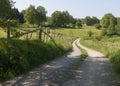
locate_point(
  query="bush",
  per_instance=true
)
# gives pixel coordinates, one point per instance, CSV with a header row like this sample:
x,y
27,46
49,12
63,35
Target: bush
x,y
97,26
115,60
14,23
90,33
18,56
104,32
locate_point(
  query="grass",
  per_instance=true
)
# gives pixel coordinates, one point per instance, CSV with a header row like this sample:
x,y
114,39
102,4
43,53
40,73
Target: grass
x,y
84,53
2,33
18,56
110,46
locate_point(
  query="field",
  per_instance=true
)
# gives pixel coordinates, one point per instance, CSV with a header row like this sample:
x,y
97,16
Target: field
x,y
63,37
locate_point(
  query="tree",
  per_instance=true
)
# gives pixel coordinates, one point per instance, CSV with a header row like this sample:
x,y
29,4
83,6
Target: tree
x,y
88,20
30,15
21,18
61,19
15,14
95,20
118,26
91,21
97,26
40,15
78,23
107,20
5,11
5,8
57,19
67,18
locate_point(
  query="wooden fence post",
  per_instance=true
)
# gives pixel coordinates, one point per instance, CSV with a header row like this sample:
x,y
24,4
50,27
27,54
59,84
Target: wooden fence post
x,y
8,29
40,34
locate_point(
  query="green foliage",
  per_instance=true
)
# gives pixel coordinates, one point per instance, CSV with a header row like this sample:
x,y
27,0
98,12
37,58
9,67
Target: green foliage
x,y
109,46
111,30
111,24
104,32
115,60
97,26
17,56
107,20
91,21
118,26
61,19
84,53
78,23
5,9
35,16
90,33
30,14
40,15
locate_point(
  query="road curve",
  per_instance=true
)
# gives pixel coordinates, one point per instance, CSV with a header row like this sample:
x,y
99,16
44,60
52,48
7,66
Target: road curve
x,y
94,71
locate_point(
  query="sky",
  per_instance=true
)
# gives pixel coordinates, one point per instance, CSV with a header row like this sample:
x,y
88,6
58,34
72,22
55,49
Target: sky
x,y
77,8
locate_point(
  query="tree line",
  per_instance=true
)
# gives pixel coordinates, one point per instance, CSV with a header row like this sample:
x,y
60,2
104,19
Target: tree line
x,y
36,16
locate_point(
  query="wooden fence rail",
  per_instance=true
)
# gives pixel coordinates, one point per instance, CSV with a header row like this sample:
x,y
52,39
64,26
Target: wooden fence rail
x,y
31,31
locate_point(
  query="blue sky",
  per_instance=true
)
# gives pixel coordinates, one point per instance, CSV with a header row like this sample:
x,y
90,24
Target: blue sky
x,y
77,8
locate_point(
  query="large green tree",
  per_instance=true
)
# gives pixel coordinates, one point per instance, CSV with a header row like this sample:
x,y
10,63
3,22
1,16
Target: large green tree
x,y
91,20
40,15
30,14
108,20
5,8
61,19
57,18
5,11
78,23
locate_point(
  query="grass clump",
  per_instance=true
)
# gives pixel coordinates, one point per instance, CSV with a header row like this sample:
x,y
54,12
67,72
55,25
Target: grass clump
x,y
83,53
115,60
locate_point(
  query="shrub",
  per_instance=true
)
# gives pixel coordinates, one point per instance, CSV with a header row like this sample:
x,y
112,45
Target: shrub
x,y
97,26
115,60
90,33
104,32
18,56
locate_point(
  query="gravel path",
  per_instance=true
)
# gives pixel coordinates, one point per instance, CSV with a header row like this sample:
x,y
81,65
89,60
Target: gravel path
x,y
49,74
94,71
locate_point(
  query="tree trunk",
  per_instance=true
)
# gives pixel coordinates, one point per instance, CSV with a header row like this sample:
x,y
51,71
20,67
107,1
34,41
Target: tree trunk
x,y
40,34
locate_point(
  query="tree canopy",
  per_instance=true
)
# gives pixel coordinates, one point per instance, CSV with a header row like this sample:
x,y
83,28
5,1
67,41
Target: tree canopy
x,y
91,20
107,20
35,16
61,19
5,8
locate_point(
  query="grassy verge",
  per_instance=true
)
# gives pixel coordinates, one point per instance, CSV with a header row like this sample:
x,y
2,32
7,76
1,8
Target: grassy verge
x,y
83,53
108,46
18,56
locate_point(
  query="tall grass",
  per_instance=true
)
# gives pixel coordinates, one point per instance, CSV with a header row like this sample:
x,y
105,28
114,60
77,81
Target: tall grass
x,y
109,46
17,56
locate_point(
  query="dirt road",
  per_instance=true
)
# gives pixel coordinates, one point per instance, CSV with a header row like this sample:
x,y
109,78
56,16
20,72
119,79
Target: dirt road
x,y
94,71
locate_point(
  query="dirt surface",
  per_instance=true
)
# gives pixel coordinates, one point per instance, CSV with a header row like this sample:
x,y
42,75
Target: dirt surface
x,y
94,71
